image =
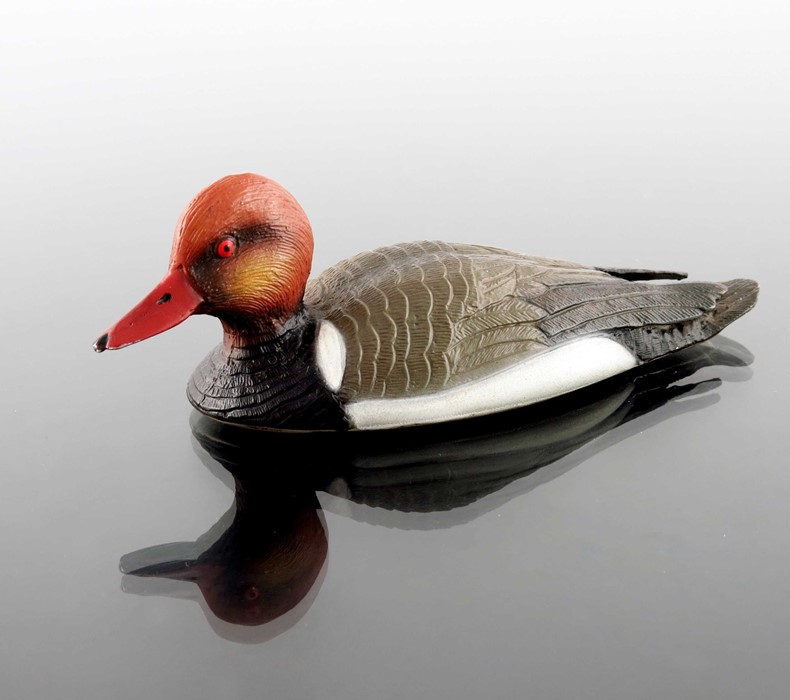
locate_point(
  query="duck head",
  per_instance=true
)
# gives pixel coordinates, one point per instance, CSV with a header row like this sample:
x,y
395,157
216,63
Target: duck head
x,y
242,252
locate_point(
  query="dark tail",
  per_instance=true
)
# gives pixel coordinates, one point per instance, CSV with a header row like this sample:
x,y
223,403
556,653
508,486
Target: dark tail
x,y
635,274
740,297
652,341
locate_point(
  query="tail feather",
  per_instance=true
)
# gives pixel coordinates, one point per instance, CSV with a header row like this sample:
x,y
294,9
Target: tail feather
x,y
654,341
740,297
637,274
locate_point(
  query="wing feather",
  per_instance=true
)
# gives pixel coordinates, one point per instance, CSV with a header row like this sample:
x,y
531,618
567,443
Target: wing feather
x,y
424,316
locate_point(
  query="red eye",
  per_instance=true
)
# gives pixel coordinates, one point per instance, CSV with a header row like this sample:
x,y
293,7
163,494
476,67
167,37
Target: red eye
x,y
226,247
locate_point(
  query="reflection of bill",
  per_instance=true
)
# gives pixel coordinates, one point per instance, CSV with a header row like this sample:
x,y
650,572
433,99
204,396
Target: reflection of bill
x,y
262,561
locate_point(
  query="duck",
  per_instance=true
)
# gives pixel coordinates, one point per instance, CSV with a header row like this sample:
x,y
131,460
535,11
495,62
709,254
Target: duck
x,y
410,334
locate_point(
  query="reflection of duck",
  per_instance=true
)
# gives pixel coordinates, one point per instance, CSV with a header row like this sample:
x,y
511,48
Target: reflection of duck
x,y
257,564
265,566
445,467
410,334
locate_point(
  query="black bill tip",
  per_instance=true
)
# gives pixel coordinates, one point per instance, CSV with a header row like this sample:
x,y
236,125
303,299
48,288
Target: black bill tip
x,y
101,343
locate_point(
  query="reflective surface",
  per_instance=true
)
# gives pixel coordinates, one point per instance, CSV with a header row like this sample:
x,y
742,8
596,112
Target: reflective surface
x,y
260,561
631,545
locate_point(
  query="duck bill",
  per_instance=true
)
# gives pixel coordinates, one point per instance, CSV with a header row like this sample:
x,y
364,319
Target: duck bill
x,y
179,570
173,300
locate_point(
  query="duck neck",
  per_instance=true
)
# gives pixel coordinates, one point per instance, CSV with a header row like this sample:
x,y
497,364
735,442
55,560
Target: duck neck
x,y
241,332
266,375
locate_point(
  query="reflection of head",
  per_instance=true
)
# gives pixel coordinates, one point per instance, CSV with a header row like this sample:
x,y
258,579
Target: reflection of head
x,y
262,566
253,587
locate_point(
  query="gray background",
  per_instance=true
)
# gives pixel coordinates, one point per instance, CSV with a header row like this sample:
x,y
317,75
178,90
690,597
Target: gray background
x,y
612,133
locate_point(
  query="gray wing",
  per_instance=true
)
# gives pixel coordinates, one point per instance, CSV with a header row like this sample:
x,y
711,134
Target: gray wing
x,y
424,316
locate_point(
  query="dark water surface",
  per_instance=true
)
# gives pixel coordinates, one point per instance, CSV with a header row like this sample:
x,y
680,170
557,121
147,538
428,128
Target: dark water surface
x,y
628,541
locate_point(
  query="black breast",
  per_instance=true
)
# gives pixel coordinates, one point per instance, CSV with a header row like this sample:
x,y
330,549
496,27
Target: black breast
x,y
273,383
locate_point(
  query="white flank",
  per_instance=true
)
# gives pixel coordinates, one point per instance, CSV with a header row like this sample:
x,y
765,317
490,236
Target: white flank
x,y
330,354
554,372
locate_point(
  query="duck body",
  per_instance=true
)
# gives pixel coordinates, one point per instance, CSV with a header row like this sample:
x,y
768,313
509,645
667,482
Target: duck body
x,y
414,333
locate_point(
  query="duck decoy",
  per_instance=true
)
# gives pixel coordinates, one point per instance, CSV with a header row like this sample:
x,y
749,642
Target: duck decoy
x,y
409,334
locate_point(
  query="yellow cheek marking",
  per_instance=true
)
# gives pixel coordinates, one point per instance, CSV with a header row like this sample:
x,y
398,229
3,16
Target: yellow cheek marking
x,y
260,278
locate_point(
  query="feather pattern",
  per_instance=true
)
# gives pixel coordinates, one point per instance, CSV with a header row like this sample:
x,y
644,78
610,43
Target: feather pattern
x,y
425,316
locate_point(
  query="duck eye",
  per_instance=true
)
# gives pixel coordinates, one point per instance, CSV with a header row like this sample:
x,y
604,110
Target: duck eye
x,y
226,247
